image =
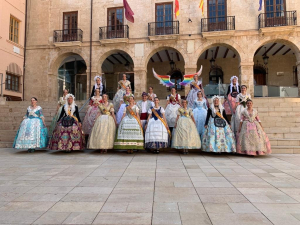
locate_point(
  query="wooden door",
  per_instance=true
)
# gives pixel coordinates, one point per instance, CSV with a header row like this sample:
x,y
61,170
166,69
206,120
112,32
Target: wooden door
x,y
164,18
115,23
70,26
275,13
217,15
260,79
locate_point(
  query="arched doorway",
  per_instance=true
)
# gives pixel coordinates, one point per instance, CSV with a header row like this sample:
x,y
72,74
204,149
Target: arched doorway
x,y
72,76
215,75
260,73
113,67
166,61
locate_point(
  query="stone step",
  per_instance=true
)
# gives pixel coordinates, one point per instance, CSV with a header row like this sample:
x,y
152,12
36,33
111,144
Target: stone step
x,y
285,142
285,149
6,144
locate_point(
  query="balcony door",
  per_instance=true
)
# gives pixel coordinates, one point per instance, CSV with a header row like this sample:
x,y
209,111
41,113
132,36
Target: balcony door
x,y
275,13
217,15
115,23
70,26
164,18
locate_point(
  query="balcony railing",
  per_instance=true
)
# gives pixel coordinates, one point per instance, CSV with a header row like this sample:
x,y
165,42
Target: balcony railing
x,y
163,28
276,19
67,35
218,23
111,32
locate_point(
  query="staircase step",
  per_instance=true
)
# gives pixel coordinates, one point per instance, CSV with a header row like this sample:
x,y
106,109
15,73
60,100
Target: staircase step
x,y
285,149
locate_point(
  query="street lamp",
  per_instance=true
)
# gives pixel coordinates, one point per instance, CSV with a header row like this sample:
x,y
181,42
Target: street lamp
x,y
212,61
172,63
265,57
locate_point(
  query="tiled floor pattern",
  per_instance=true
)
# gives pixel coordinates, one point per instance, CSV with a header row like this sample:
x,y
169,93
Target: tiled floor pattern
x,y
142,189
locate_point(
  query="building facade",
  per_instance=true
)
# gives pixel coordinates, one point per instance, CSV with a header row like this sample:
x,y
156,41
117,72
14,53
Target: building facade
x,y
12,31
70,42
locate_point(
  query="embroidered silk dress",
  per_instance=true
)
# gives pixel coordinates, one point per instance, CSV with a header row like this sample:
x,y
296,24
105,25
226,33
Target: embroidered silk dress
x,y
104,130
32,133
215,138
231,96
67,135
156,136
192,95
151,96
130,132
252,140
91,115
144,108
200,112
236,118
120,93
172,108
61,103
185,136
122,107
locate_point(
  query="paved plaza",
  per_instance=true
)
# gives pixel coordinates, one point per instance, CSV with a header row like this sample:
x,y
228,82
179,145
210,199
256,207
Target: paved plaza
x,y
116,188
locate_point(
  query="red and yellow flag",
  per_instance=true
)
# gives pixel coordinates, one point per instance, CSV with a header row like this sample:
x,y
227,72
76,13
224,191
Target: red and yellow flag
x,y
201,6
176,8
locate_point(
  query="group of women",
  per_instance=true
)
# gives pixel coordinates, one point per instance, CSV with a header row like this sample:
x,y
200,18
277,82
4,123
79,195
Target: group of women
x,y
190,123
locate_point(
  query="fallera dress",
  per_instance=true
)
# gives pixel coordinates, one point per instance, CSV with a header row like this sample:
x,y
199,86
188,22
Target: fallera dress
x,y
185,135
236,118
120,93
252,139
32,134
122,107
68,135
156,136
171,109
200,112
104,130
192,95
91,115
130,132
217,138
231,99
61,103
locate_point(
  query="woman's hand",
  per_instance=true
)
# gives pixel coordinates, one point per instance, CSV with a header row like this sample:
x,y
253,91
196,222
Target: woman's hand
x,y
205,126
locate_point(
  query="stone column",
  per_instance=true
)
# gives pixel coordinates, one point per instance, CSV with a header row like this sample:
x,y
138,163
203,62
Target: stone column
x,y
188,69
246,76
140,82
298,76
52,87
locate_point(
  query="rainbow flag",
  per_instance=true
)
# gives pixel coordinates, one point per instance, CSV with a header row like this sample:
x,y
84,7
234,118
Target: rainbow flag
x,y
201,6
176,8
163,79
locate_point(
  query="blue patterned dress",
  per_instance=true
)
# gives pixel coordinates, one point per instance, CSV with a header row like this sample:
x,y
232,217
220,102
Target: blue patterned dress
x,y
218,139
200,112
32,133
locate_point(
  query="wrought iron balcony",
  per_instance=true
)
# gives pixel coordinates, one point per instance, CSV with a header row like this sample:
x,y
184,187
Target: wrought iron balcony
x,y
218,23
163,28
67,35
111,32
276,19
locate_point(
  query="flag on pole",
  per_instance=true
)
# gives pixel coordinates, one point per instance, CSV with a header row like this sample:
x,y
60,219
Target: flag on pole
x,y
201,6
260,5
176,8
128,12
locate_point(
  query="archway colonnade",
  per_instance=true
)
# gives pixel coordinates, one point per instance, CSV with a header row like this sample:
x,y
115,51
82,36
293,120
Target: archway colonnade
x,y
193,53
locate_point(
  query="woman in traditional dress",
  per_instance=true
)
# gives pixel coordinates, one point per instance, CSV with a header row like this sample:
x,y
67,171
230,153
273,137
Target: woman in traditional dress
x,y
218,136
252,140
68,134
173,104
98,86
185,134
62,101
122,84
91,113
195,87
232,92
123,103
32,132
241,101
200,112
104,131
130,131
151,95
157,131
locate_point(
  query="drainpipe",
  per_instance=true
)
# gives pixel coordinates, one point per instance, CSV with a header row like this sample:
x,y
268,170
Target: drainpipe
x,y
25,40
91,36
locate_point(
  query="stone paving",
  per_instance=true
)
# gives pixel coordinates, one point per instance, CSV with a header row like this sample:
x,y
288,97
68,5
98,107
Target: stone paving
x,y
116,188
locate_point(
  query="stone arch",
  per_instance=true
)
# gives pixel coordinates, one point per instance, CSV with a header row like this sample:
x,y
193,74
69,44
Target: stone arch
x,y
262,42
56,61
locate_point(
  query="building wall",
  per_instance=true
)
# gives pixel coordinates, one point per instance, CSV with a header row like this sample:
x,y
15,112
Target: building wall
x,y
44,56
16,8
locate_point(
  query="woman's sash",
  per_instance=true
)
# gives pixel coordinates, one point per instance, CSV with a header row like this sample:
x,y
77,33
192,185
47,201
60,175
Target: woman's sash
x,y
129,109
122,85
74,117
196,85
161,119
